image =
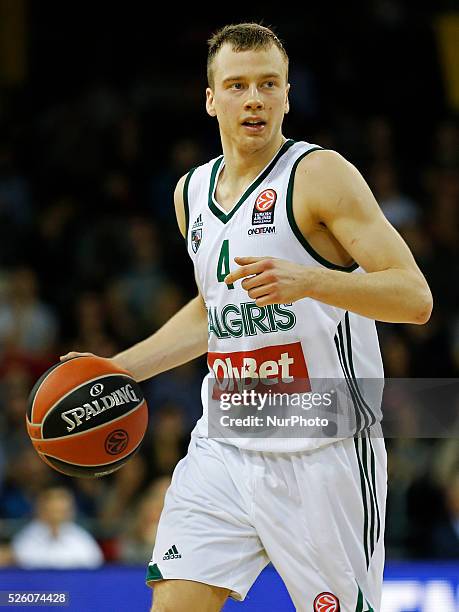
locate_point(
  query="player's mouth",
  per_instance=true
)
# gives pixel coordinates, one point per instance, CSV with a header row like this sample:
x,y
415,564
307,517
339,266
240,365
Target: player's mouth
x,y
254,125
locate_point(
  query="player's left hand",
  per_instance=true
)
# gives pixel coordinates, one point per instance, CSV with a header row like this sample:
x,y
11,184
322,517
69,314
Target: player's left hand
x,y
268,280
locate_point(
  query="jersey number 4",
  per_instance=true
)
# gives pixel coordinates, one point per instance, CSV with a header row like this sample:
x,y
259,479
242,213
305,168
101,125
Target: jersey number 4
x,y
223,268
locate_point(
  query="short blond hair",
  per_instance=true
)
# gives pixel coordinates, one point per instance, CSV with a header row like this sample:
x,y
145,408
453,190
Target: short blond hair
x,y
242,37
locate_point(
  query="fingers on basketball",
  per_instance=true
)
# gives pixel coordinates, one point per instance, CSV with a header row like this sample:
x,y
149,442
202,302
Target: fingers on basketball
x,y
73,354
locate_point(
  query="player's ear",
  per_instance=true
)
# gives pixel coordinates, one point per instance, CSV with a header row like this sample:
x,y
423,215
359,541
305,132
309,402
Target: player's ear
x,y
210,108
287,103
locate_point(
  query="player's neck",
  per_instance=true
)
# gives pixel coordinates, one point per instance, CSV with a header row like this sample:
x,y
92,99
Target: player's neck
x,y
243,166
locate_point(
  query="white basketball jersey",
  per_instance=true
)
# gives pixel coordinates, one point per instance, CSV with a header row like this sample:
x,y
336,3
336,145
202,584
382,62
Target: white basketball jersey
x,y
281,344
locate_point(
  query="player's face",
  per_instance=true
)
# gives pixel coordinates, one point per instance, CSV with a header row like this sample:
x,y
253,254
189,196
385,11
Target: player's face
x,y
250,95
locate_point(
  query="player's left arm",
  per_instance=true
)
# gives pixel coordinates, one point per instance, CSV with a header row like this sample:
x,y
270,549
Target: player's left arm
x,y
334,192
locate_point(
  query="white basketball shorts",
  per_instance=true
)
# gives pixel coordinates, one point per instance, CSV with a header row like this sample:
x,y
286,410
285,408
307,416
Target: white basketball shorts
x,y
318,516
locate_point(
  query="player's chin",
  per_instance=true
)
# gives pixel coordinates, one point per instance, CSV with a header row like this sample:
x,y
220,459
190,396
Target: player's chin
x,y
255,139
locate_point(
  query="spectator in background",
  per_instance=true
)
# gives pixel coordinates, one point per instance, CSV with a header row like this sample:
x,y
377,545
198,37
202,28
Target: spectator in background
x,y
27,325
143,281
139,538
184,385
26,475
124,487
398,208
396,355
15,205
446,144
6,555
446,534
168,440
407,461
15,384
445,539
444,214
120,319
53,540
54,234
183,154
380,138
91,324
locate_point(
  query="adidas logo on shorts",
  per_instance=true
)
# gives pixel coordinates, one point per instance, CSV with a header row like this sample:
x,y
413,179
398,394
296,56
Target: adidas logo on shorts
x,y
172,553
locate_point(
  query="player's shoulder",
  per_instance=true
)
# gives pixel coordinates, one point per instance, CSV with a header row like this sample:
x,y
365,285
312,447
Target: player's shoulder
x,y
179,204
182,187
321,163
323,173
178,193
196,172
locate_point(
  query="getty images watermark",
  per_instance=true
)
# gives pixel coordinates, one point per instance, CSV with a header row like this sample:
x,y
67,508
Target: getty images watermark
x,y
332,408
259,408
261,401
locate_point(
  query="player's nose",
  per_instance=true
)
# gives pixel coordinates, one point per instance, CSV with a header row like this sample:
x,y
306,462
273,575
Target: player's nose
x,y
254,99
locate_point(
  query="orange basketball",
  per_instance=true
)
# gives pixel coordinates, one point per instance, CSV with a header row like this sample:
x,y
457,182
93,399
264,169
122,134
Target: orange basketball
x,y
86,417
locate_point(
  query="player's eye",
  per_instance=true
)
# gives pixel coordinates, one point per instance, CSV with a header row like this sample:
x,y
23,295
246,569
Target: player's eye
x,y
269,84
236,86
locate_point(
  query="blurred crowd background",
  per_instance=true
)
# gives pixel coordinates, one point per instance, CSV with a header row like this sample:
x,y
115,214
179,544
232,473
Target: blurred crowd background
x,y
101,112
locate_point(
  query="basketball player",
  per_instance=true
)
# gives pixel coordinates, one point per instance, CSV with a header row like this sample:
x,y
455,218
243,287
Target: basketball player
x,y
294,261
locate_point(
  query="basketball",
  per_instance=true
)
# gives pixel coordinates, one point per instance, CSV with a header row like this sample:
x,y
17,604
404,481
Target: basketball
x,y
86,417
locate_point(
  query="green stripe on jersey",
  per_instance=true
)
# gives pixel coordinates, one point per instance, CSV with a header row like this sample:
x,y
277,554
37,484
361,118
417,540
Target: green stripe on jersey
x,y
352,383
220,214
360,603
373,479
186,201
296,230
351,365
372,499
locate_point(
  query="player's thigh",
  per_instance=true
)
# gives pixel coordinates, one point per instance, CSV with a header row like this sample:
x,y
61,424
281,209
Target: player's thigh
x,y
187,596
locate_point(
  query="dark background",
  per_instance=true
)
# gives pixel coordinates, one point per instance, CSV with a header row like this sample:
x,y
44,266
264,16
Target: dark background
x,y
101,112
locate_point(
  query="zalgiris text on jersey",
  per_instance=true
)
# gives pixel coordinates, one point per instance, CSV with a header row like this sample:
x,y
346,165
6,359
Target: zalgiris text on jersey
x,y
248,319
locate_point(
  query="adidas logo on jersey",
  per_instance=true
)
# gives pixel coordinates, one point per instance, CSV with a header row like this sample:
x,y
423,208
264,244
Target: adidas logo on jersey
x,y
172,553
198,222
196,234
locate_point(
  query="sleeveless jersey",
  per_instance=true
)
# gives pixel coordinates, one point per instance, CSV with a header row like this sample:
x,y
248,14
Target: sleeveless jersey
x,y
283,346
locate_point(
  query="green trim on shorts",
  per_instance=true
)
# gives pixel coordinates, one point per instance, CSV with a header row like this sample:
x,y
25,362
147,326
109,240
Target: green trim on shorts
x,y
360,600
373,478
359,606
364,451
365,505
153,573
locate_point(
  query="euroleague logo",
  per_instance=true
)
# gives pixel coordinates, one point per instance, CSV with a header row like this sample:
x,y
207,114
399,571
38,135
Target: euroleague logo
x,y
266,200
263,211
116,442
326,602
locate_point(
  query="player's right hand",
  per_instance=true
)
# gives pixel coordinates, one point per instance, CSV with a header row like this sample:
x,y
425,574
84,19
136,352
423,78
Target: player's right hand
x,y
73,354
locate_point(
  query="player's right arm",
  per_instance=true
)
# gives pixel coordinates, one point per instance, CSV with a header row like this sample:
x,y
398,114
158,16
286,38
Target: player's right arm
x,y
181,339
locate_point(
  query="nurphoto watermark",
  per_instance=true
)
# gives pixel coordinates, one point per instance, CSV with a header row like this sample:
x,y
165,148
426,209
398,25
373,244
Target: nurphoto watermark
x,y
331,408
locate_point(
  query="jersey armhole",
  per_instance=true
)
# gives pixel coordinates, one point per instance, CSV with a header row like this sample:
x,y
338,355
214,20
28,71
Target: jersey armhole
x,y
186,204
296,230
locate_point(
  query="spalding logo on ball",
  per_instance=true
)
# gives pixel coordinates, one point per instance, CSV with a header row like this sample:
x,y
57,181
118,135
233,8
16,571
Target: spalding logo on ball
x,y
86,417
